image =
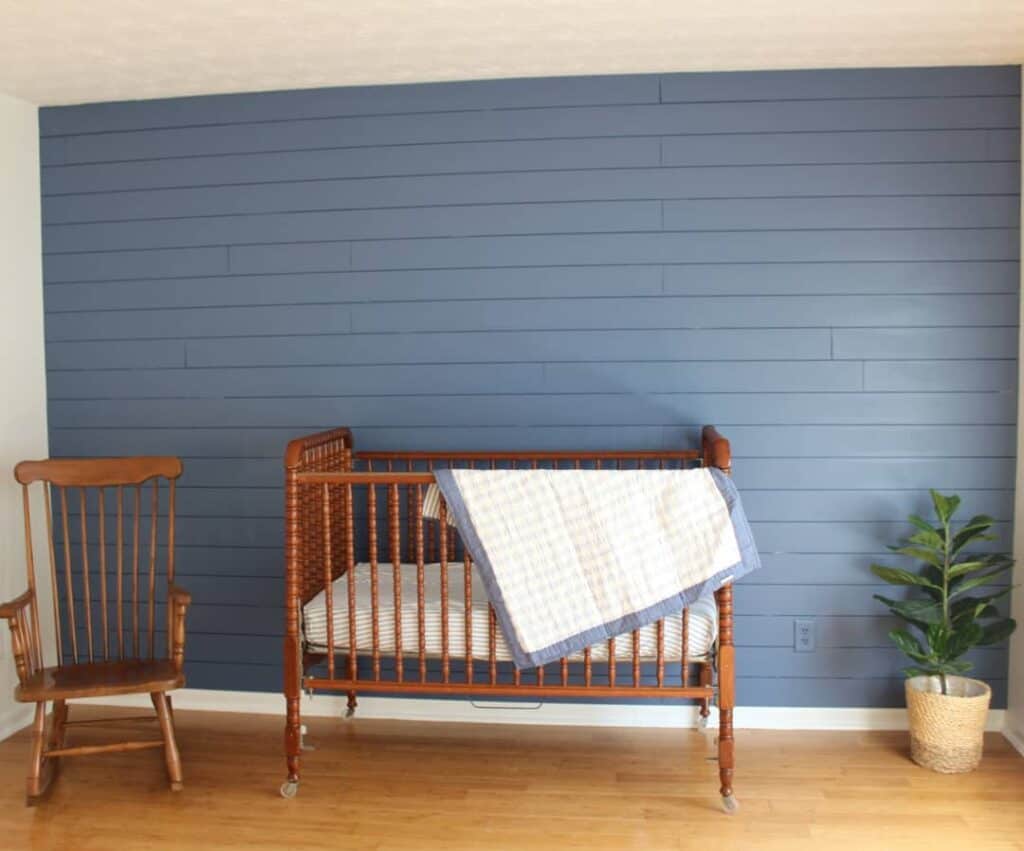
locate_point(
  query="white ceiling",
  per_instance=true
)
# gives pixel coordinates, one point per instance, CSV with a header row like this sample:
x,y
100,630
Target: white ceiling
x,y
74,51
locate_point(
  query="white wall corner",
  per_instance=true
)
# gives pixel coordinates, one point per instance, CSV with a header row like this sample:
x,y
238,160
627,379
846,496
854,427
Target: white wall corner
x,y
1014,728
22,364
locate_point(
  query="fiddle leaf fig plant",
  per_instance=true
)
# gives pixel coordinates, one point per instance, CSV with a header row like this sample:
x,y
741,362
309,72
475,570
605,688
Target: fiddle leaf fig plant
x,y
943,617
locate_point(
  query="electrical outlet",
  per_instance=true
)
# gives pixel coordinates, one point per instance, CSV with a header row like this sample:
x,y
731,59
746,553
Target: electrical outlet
x,y
803,635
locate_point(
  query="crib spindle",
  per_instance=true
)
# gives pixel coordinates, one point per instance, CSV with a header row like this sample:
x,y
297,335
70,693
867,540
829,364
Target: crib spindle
x,y
420,602
540,675
371,527
588,670
685,648
395,546
467,577
442,533
661,652
328,577
492,645
451,545
611,663
636,658
431,540
564,662
350,574
86,589
410,518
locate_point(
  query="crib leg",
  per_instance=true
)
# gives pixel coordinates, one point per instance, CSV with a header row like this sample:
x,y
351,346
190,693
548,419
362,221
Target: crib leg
x,y
352,704
293,747
726,697
293,717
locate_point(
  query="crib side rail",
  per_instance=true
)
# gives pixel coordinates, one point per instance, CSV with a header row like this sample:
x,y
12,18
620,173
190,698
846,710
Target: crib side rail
x,y
381,527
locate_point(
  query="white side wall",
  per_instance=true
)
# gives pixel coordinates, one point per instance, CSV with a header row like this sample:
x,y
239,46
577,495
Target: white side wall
x,y
22,372
1015,702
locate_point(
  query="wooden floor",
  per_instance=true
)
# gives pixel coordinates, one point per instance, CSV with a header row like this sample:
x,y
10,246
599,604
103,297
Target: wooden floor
x,y
402,785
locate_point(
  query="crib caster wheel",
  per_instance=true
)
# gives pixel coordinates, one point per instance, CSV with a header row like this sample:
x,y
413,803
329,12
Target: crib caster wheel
x,y
350,712
290,788
702,722
730,804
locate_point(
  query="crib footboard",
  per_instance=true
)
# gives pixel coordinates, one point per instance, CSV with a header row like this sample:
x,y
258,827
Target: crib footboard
x,y
358,545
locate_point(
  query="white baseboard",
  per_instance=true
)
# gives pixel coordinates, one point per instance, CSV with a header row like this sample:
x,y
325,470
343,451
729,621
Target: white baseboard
x,y
15,719
1014,737
559,714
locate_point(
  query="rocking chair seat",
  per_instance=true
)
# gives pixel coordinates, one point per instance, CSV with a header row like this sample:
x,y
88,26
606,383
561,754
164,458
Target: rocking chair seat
x,y
95,679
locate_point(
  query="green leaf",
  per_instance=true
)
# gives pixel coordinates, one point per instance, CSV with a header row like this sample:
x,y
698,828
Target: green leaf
x,y
977,581
929,538
908,644
962,640
896,576
920,672
996,632
925,526
937,635
945,506
921,554
916,611
964,567
972,529
976,607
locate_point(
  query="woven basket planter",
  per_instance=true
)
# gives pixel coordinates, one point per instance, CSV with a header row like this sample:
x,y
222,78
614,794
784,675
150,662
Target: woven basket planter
x,y
947,730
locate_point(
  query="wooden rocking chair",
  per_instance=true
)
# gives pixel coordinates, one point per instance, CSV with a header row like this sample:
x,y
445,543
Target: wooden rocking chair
x,y
107,644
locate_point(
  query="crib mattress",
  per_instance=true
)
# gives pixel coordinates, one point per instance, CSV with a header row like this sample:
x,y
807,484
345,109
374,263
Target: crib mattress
x,y
701,632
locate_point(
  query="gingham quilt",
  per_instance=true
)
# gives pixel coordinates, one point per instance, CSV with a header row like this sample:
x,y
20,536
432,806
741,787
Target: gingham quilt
x,y
571,557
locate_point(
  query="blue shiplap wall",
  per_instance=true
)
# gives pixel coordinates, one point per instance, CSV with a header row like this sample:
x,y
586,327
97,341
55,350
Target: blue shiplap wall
x,y
825,264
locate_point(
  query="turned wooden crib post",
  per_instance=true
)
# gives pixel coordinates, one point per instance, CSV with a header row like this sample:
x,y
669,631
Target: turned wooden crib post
x,y
326,452
726,694
292,644
717,453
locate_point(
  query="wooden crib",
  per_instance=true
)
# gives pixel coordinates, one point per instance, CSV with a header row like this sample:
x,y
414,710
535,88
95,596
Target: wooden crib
x,y
356,539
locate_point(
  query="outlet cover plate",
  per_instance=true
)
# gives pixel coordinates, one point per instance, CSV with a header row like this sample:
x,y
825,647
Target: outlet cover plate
x,y
804,639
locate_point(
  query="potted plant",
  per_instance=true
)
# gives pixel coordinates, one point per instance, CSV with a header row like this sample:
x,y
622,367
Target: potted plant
x,y
946,709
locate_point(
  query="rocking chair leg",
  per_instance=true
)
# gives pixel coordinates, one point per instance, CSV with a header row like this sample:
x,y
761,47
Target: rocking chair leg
x,y
170,745
40,772
58,730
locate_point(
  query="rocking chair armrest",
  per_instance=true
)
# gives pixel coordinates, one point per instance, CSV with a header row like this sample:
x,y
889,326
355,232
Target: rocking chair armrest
x,y
178,602
179,595
26,650
11,608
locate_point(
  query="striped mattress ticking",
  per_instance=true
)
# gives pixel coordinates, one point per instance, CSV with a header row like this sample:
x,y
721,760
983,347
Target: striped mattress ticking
x,y
702,624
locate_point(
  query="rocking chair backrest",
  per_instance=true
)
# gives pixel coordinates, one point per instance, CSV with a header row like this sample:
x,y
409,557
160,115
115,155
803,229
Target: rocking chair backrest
x,y
110,532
